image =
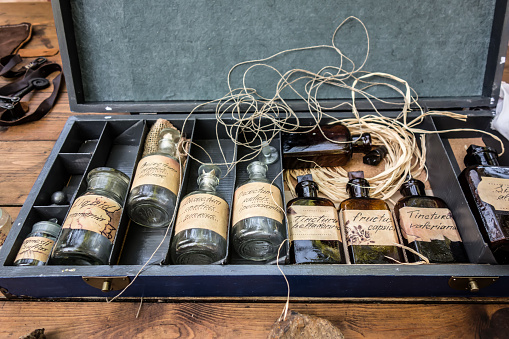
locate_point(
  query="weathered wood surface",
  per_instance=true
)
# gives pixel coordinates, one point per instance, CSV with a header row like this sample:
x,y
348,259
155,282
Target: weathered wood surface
x,y
23,152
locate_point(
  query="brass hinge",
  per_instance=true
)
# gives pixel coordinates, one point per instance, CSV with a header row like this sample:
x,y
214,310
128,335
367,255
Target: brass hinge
x,y
107,284
472,284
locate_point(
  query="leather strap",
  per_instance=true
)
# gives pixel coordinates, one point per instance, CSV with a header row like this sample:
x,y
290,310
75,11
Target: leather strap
x,y
7,63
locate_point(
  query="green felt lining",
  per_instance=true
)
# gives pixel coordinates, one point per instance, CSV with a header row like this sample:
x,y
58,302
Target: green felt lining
x,y
182,50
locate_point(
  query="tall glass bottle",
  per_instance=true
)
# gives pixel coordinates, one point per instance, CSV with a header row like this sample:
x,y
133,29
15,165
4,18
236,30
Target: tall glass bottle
x,y
370,231
257,217
91,225
202,222
156,182
427,225
486,187
314,226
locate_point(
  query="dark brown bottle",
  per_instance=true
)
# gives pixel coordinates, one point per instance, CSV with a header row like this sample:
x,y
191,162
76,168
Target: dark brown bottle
x,y
306,150
427,226
314,226
486,187
370,231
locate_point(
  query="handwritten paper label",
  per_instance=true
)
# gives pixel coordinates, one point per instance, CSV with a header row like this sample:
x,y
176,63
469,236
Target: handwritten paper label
x,y
158,170
203,211
495,191
95,213
257,199
37,248
369,227
426,224
313,223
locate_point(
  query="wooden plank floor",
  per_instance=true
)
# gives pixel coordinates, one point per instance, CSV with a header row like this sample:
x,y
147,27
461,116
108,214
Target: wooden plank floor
x,y
23,151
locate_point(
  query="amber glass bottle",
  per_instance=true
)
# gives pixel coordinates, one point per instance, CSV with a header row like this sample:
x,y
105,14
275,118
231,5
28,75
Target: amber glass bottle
x,y
314,226
427,225
486,187
370,231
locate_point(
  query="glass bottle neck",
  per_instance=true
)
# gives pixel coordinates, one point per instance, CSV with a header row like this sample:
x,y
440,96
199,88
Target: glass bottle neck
x,y
307,189
413,187
358,188
484,156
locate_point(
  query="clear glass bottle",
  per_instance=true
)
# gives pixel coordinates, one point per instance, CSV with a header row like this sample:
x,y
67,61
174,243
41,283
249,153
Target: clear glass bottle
x,y
36,247
89,229
370,231
486,187
257,218
427,225
5,225
156,183
202,223
314,226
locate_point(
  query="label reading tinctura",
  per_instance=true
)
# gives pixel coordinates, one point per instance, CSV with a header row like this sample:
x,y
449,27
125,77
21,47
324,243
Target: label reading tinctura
x,y
426,224
495,191
369,227
37,248
95,213
158,170
203,211
257,200
313,223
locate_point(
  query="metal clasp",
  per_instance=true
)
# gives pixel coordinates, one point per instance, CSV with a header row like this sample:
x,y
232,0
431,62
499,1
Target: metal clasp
x,y
472,284
107,284
36,63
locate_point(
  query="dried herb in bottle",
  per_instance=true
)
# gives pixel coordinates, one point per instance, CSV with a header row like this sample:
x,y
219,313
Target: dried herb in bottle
x,y
427,226
257,217
202,223
486,187
314,226
370,231
91,225
36,247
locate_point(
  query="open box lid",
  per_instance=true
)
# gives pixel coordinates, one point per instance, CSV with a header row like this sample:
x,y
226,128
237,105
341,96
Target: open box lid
x,y
169,56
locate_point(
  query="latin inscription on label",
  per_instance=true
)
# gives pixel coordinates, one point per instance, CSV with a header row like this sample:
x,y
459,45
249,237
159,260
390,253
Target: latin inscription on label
x,y
313,223
203,211
368,227
158,170
95,213
37,248
257,200
495,191
426,224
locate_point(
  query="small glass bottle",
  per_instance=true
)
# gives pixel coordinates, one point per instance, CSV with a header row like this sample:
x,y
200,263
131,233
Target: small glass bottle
x,y
202,223
314,226
89,229
427,225
36,247
153,195
486,187
257,216
5,225
370,231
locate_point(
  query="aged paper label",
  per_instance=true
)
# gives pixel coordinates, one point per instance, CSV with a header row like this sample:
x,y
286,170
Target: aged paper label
x,y
426,224
369,227
158,170
95,213
257,199
203,211
495,191
313,223
37,248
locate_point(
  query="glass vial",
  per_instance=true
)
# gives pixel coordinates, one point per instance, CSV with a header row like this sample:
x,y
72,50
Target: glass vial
x,y
314,226
427,225
5,225
370,231
36,247
202,223
156,183
89,229
257,218
486,187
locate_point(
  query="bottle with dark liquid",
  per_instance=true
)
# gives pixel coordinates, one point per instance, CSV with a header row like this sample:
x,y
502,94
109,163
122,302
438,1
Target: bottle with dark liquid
x,y
306,150
370,231
202,223
314,226
486,187
427,225
257,217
